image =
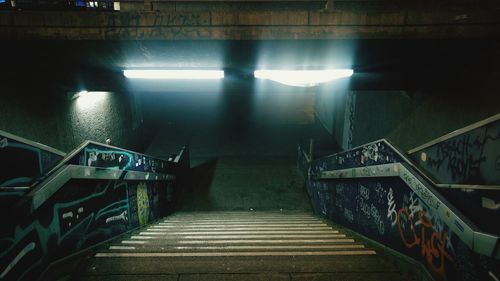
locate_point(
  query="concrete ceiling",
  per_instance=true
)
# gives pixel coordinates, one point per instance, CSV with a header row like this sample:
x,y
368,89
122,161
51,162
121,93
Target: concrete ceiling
x,y
378,64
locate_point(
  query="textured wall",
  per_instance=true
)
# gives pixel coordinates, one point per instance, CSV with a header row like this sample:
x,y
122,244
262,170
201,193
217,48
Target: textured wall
x,y
377,113
64,124
406,118
443,112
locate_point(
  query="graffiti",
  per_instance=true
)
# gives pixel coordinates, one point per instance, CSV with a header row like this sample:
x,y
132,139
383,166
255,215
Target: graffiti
x,y
76,222
101,156
370,153
108,159
4,142
377,219
162,26
468,158
142,204
456,154
364,208
30,247
489,203
368,210
67,215
380,194
414,205
432,248
121,217
423,192
348,215
404,212
391,208
364,192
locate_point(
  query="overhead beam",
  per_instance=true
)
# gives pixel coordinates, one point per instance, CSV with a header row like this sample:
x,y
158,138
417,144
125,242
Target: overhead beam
x,y
248,25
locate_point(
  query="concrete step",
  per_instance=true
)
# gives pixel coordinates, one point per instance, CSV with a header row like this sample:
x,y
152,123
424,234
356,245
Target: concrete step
x,y
231,248
259,245
236,241
237,264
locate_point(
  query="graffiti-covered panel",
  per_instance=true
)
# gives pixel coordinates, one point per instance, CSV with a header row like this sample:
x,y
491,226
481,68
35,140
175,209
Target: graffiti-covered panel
x,y
405,219
80,214
375,153
472,158
469,158
24,163
388,211
101,156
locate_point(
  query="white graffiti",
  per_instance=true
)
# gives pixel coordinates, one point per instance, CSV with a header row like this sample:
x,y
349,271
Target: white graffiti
x,y
67,215
489,203
377,219
365,208
92,158
370,152
392,215
364,192
348,215
30,247
414,206
4,143
122,216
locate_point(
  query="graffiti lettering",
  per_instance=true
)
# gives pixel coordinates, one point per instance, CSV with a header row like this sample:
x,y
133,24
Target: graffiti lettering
x,y
420,190
364,192
121,217
370,153
433,246
391,207
377,219
348,215
459,160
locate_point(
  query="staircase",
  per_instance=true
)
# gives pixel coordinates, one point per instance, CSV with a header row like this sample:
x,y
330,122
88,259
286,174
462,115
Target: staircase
x,y
238,246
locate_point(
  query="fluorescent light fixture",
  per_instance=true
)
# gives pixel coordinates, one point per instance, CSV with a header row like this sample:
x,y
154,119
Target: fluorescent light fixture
x,y
303,78
174,74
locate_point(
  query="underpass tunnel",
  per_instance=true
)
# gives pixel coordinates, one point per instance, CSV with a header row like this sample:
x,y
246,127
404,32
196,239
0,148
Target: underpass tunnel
x,y
244,177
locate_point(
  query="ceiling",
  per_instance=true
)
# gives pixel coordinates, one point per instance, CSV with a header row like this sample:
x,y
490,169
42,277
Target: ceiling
x,y
378,64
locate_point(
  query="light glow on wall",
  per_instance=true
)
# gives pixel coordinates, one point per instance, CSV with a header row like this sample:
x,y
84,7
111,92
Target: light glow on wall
x,y
86,99
173,74
303,78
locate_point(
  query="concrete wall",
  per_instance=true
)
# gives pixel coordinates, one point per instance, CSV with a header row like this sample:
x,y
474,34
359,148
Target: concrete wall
x,y
64,124
357,117
441,113
377,113
407,118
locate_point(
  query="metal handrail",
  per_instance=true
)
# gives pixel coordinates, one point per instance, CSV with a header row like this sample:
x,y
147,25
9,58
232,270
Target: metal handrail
x,y
82,146
480,242
32,143
458,132
56,180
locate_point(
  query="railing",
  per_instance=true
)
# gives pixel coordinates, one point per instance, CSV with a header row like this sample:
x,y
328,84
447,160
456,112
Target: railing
x,y
375,190
25,162
466,158
95,193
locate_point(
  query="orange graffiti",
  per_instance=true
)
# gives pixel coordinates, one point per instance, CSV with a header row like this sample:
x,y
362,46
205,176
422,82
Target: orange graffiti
x,y
433,249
